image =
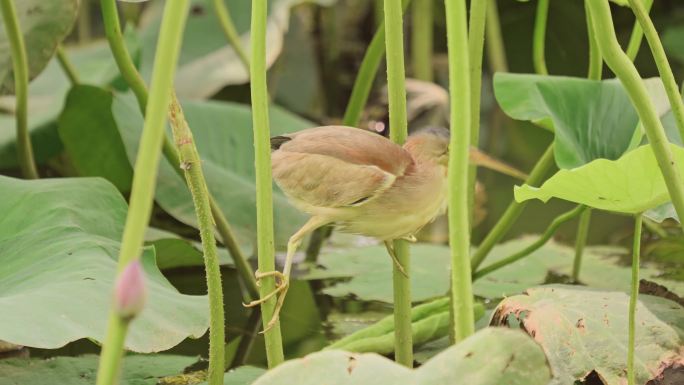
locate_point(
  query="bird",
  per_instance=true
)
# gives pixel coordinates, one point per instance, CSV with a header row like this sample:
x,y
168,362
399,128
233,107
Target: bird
x,y
361,182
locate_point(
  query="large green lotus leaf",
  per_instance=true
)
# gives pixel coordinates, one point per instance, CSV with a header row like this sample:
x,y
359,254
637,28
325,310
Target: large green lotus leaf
x,y
491,356
591,119
208,62
47,95
673,41
603,267
583,330
173,251
369,268
631,184
44,24
223,135
60,240
137,370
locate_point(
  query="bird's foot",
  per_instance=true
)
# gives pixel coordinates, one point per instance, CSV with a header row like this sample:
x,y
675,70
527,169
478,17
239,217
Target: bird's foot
x,y
282,284
411,238
399,266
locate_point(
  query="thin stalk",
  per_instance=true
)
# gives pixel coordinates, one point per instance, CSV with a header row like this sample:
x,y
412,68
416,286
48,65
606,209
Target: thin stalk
x,y
422,17
85,25
664,69
364,79
229,30
264,194
137,84
637,34
580,242
476,35
633,298
541,241
595,60
21,79
463,323
623,68
192,165
496,53
514,209
145,172
396,88
539,39
67,66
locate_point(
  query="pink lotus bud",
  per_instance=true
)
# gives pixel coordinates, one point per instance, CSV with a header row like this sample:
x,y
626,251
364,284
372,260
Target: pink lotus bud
x,y
130,292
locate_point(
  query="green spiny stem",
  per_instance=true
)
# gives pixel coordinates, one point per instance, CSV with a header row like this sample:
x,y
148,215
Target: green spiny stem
x,y
137,84
463,323
539,39
660,58
623,68
633,298
378,13
514,209
67,66
192,166
496,53
637,34
580,242
421,39
366,75
264,194
145,171
541,241
595,60
476,32
21,79
229,30
396,89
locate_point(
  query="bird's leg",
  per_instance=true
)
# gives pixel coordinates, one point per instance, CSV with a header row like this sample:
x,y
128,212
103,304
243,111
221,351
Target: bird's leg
x,y
284,278
390,251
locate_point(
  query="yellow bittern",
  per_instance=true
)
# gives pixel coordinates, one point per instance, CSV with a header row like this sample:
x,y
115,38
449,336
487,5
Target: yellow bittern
x,y
360,181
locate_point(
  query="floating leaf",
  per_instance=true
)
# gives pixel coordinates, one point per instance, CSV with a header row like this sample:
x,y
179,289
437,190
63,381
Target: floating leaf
x,y
491,356
208,62
60,241
631,184
244,375
591,119
584,330
137,369
44,24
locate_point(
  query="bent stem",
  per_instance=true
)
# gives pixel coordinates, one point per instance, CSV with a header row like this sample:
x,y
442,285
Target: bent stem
x,y
145,172
366,75
541,241
421,39
21,80
660,58
580,242
637,34
137,84
623,68
192,165
478,14
595,60
496,53
264,198
463,323
539,38
229,30
67,66
514,209
633,298
394,25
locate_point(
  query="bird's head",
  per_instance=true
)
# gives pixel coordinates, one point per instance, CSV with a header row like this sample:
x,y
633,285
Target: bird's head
x,y
429,144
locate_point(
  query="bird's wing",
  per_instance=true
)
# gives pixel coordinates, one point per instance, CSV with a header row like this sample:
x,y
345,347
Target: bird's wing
x,y
348,144
336,166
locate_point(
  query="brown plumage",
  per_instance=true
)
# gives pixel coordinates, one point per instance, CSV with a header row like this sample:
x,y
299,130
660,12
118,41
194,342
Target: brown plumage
x,y
362,182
